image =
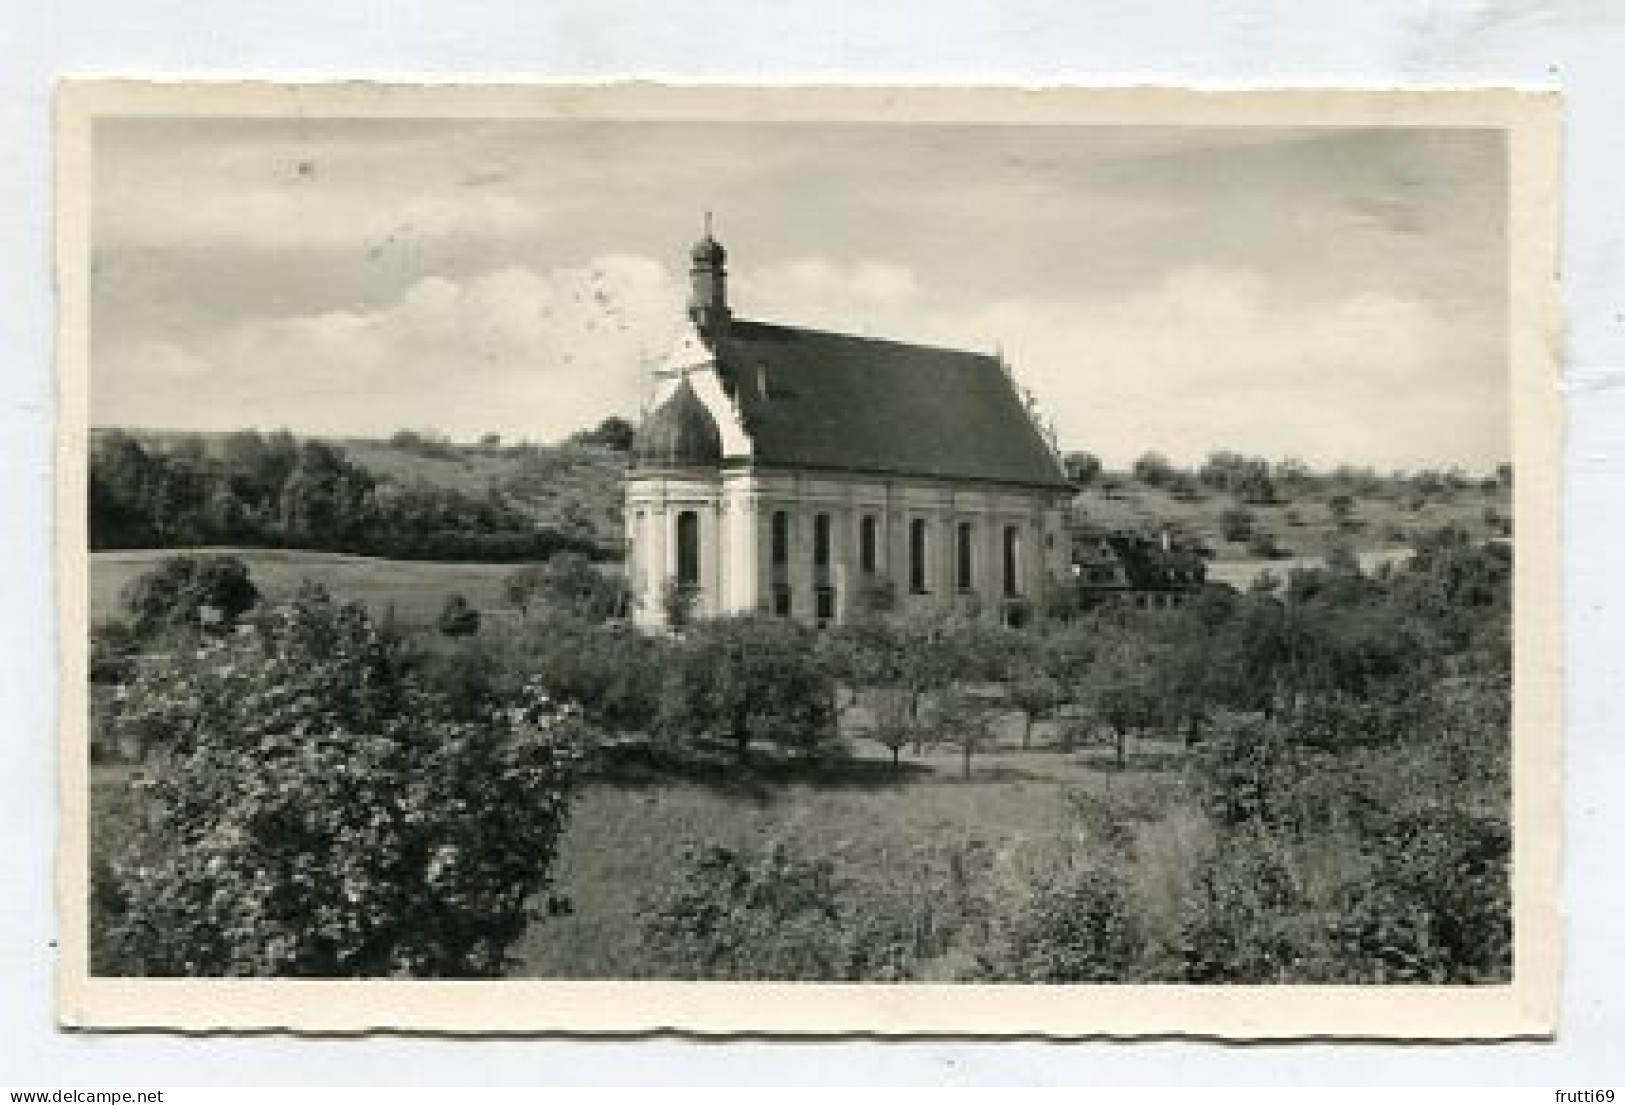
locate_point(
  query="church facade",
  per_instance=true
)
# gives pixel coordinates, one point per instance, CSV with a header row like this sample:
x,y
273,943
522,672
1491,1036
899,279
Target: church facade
x,y
791,471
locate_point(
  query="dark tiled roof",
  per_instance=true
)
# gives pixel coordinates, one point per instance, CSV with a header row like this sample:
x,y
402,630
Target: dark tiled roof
x,y
836,401
679,433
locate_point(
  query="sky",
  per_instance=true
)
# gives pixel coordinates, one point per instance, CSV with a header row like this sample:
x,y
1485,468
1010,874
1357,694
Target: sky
x,y
1335,295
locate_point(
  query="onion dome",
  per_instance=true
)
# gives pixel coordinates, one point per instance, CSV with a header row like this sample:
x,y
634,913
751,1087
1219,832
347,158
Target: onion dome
x,y
680,433
709,252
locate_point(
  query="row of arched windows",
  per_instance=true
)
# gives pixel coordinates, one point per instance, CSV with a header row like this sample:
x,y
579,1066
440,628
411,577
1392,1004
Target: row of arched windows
x,y
919,552
919,556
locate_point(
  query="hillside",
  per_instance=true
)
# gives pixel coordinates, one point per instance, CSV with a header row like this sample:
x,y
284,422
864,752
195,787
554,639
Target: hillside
x,y
1303,525
575,489
414,496
569,487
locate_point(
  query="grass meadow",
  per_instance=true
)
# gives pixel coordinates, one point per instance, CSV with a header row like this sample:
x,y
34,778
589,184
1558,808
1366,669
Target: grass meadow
x,y
896,827
416,589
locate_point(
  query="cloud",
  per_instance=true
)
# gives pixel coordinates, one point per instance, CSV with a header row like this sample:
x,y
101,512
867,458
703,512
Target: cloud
x,y
516,351
1219,358
814,291
1207,357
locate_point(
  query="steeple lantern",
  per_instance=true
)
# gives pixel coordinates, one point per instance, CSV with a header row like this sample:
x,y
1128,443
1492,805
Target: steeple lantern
x,y
708,294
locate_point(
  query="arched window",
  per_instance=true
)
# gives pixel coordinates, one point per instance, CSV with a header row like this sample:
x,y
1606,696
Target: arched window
x,y
869,545
963,567
779,554
917,577
688,549
781,537
1012,561
821,541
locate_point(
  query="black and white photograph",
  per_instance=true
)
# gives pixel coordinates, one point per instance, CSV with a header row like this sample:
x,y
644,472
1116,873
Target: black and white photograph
x,y
911,548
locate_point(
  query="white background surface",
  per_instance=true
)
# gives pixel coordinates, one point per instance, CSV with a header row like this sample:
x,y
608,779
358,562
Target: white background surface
x,y
1578,46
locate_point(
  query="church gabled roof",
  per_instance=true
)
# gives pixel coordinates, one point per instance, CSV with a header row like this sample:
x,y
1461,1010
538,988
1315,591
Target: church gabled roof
x,y
815,399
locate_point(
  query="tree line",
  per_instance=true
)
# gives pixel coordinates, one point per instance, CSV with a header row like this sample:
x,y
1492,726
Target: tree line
x,y
1261,481
280,491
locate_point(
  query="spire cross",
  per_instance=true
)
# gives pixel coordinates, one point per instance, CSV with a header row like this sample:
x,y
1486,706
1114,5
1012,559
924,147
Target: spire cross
x,y
708,224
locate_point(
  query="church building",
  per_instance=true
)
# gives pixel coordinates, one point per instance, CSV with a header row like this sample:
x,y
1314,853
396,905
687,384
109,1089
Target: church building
x,y
778,468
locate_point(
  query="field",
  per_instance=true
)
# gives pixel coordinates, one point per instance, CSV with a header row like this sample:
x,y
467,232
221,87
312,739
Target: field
x,y
415,589
1303,527
623,839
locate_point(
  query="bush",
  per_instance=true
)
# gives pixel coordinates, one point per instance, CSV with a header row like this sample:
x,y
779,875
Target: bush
x,y
458,618
749,679
568,584
1236,524
1154,470
1438,907
614,673
613,432
1080,930
735,916
876,594
1082,468
1244,920
770,913
315,815
1262,543
188,593
113,647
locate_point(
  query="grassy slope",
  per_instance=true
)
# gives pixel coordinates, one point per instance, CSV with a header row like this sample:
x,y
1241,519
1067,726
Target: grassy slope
x,y
623,838
1136,506
560,486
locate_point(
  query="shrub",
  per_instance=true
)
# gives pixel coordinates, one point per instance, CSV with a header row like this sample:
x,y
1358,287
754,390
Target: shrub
x,y
735,916
1080,930
769,913
1262,543
1438,907
188,593
1236,524
113,645
424,444
458,618
1185,488
876,594
614,673
613,432
747,679
1341,506
1246,770
1244,919
1082,468
314,815
1154,470
677,602
568,584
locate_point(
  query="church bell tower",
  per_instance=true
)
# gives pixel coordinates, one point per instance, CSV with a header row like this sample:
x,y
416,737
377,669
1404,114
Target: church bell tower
x,y
708,288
